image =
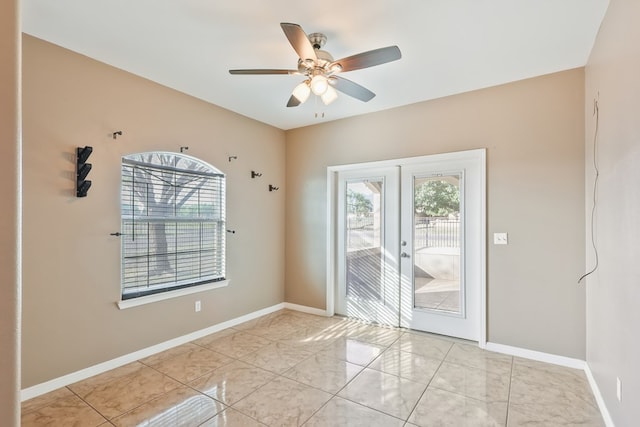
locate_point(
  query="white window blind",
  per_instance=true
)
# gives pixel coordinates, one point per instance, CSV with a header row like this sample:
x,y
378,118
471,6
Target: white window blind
x,y
173,223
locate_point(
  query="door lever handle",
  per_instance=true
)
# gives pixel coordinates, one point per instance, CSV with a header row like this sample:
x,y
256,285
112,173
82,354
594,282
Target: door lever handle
x,y
405,255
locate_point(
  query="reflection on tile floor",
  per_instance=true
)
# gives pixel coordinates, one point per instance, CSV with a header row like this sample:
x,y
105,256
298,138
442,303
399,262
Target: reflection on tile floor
x,y
292,369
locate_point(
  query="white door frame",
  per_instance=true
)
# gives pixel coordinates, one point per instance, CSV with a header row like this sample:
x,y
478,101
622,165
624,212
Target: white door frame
x,y
332,184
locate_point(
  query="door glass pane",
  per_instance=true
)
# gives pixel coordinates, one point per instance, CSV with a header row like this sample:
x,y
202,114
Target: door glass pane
x,y
436,267
364,242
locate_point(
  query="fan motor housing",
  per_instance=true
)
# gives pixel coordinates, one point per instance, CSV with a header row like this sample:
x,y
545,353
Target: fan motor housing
x,y
317,40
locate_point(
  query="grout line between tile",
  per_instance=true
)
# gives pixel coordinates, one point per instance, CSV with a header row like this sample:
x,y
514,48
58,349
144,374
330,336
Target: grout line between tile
x,y
506,420
91,406
428,384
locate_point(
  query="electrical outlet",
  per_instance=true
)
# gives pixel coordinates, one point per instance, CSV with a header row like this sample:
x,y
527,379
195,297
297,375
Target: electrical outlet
x,y
500,239
619,389
198,306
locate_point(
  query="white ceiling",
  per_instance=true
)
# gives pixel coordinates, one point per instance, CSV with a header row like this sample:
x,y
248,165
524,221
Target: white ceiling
x,y
448,46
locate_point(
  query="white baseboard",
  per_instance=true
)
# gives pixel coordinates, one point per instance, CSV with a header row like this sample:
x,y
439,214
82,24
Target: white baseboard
x,y
305,309
606,416
65,380
537,355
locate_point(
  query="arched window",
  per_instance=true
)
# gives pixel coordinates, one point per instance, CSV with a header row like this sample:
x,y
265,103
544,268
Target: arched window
x,y
173,223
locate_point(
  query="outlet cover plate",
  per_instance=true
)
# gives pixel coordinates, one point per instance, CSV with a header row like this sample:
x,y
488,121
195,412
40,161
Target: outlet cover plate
x,y
500,239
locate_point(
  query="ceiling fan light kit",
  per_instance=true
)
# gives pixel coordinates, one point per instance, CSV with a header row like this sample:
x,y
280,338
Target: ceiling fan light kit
x,y
302,91
329,95
319,84
321,70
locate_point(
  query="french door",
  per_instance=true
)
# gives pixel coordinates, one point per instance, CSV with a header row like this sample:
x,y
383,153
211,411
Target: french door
x,y
368,245
409,243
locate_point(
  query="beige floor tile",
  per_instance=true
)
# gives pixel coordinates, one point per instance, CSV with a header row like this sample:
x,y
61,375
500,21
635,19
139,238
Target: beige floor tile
x,y
473,356
549,375
45,400
276,357
309,338
231,418
325,373
406,365
283,402
207,339
181,407
279,319
424,345
126,392
168,354
303,319
471,382
340,412
238,344
65,411
536,403
347,329
273,332
384,392
353,351
260,321
378,373
308,331
534,414
442,408
193,364
81,388
323,321
232,382
383,336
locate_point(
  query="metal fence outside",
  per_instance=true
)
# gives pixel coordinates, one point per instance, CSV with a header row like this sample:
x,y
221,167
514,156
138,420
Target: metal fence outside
x,y
437,233
430,232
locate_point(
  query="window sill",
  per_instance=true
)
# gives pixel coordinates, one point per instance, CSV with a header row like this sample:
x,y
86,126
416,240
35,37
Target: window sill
x,y
149,299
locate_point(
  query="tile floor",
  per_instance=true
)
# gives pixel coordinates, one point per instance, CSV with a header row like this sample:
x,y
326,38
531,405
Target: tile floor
x,y
292,369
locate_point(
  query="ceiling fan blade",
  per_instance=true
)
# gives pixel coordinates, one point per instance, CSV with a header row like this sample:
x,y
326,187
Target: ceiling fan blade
x,y
299,40
352,89
369,58
263,71
293,102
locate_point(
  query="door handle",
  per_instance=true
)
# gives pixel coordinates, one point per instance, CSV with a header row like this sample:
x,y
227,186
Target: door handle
x,y
405,255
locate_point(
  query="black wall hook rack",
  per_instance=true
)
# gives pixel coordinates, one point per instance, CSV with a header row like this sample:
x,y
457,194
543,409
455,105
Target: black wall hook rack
x,y
232,158
183,149
272,188
255,174
116,134
82,170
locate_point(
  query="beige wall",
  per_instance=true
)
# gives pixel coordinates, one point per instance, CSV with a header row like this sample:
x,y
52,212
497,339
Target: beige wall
x,y
533,131
71,263
613,293
9,214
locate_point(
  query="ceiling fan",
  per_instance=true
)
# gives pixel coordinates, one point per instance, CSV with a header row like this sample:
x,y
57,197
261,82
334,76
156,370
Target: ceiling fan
x,y
320,69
